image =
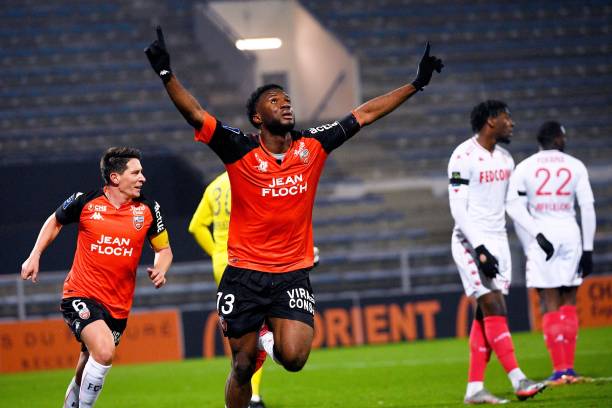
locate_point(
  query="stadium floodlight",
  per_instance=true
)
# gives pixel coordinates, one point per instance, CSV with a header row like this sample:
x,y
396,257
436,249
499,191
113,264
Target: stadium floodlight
x,y
254,44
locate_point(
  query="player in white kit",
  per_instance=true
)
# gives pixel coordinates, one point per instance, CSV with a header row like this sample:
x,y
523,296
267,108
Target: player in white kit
x,y
548,183
479,171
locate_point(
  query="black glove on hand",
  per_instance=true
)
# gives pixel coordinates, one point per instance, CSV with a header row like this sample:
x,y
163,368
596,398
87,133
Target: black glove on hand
x,y
486,262
586,263
158,56
427,65
545,245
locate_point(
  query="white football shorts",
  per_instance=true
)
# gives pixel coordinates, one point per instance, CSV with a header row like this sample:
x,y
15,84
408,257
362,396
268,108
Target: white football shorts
x,y
562,268
474,282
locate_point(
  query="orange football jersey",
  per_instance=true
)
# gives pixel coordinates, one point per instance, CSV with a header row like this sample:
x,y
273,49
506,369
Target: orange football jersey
x,y
272,200
109,246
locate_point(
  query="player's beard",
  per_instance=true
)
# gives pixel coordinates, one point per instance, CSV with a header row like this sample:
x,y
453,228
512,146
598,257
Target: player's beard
x,y
277,128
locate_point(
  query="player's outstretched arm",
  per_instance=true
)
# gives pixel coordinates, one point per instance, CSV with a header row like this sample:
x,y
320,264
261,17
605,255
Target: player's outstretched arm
x,y
158,56
380,106
47,234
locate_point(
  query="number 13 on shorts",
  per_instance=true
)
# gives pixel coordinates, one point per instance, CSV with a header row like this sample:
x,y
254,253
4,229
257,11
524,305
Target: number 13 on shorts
x,y
225,303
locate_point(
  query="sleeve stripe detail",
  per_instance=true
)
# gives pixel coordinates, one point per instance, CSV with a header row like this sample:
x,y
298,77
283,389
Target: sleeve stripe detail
x,y
208,129
457,181
522,193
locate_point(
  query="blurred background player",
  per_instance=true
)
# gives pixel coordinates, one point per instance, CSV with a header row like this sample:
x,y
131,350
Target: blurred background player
x,y
478,173
274,176
114,222
541,197
214,212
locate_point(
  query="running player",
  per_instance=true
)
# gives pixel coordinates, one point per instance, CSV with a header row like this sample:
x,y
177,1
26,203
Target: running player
x,y
114,222
478,171
274,176
548,183
214,212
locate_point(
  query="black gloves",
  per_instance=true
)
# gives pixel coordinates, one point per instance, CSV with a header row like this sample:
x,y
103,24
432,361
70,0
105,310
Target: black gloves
x,y
426,68
158,56
586,263
486,262
545,245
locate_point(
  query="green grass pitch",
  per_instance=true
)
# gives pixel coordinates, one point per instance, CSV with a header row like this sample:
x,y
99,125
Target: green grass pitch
x,y
419,374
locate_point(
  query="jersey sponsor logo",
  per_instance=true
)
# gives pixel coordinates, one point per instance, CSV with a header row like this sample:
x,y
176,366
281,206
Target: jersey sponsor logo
x,y
285,186
96,207
140,210
138,222
96,216
322,128
70,199
300,298
159,224
263,165
107,245
231,129
490,176
302,152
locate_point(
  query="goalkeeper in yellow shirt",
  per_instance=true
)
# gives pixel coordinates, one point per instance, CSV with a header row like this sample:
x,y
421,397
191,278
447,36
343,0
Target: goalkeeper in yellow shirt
x,y
214,211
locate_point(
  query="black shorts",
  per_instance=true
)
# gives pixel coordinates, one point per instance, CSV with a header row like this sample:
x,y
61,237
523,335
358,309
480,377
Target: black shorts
x,y
79,312
246,298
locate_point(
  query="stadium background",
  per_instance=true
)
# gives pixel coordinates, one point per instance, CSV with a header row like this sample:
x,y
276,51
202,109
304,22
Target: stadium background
x,y
75,81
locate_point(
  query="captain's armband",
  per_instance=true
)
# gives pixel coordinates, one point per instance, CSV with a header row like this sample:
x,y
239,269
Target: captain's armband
x,y
160,241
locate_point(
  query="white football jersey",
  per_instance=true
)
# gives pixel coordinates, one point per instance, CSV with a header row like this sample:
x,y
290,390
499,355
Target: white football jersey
x,y
551,180
482,178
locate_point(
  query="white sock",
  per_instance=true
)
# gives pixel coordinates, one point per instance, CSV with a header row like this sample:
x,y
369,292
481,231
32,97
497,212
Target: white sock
x,y
266,342
515,376
473,387
91,383
255,398
71,400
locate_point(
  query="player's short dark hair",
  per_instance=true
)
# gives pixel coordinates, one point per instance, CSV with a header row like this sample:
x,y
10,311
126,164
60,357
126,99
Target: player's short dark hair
x,y
252,102
548,132
114,160
485,110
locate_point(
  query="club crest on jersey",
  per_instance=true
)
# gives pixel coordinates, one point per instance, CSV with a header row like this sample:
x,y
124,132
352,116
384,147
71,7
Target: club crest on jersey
x,y
302,152
138,222
262,166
